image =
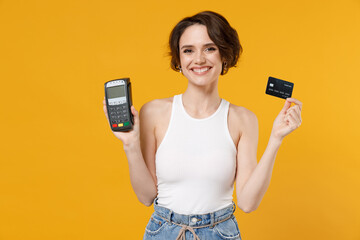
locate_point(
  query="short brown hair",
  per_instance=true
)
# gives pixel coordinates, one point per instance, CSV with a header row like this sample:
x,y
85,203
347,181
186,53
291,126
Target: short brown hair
x,y
220,32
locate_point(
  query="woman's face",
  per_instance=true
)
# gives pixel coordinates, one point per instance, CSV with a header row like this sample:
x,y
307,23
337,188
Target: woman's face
x,y
200,58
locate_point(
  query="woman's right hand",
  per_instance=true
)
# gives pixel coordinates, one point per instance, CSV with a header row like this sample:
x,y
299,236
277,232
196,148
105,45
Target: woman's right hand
x,y
131,137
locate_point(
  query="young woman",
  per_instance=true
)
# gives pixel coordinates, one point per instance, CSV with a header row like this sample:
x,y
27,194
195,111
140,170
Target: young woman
x,y
186,152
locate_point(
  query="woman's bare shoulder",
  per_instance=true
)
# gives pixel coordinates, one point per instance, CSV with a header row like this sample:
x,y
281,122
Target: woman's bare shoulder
x,y
241,115
156,107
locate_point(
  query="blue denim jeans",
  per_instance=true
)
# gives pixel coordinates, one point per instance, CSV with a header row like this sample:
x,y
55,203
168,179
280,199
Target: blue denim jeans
x,y
164,224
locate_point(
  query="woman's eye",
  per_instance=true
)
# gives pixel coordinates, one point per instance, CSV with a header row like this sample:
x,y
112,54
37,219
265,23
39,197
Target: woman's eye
x,y
187,51
210,49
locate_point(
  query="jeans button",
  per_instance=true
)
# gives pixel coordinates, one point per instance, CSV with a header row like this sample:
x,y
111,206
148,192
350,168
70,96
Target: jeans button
x,y
194,220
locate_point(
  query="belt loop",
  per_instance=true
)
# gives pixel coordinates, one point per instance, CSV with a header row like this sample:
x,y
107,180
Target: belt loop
x,y
169,217
212,220
234,206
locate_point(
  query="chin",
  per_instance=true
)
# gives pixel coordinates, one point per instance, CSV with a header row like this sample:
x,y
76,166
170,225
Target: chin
x,y
202,81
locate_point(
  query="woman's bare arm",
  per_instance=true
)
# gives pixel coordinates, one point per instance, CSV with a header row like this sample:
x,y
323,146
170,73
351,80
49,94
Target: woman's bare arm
x,y
141,178
252,178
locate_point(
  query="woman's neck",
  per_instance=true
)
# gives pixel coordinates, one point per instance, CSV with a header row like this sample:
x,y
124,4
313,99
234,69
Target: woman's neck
x,y
201,102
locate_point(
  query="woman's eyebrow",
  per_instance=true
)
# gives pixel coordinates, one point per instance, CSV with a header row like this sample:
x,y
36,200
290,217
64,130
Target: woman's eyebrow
x,y
205,45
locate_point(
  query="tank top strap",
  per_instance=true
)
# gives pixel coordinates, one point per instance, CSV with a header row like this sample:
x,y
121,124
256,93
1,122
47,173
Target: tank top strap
x,y
224,107
177,102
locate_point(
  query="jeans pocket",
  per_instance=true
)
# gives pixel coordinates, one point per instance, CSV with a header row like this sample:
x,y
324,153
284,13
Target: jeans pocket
x,y
228,229
155,225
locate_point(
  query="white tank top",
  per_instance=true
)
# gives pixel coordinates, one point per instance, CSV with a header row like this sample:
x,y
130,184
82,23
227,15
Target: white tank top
x,y
196,162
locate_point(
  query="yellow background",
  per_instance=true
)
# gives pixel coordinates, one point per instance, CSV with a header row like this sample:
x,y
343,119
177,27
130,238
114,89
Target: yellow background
x,y
63,175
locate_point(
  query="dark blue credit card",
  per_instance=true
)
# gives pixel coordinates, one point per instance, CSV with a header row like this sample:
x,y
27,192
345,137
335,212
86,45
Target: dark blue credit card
x,y
279,88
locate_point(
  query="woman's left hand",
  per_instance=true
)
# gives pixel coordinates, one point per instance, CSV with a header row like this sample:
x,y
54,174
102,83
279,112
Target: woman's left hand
x,y
288,119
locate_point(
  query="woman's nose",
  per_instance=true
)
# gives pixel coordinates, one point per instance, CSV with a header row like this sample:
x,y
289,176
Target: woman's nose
x,y
199,57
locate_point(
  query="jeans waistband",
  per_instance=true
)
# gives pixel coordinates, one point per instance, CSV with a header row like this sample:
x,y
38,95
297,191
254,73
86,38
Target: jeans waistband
x,y
195,220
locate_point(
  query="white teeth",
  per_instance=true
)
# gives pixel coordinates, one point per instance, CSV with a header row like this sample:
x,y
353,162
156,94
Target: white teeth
x,y
200,70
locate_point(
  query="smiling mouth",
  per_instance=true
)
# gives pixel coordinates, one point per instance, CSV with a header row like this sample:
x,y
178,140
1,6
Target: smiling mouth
x,y
201,70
